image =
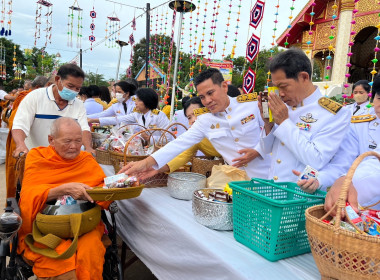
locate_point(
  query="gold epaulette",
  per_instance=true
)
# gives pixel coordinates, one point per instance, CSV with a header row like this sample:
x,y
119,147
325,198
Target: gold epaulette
x,y
113,101
133,98
136,111
101,102
155,111
330,105
201,111
247,97
362,118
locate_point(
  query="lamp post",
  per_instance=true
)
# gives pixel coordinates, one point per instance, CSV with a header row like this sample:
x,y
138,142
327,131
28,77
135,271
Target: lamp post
x,y
181,7
121,44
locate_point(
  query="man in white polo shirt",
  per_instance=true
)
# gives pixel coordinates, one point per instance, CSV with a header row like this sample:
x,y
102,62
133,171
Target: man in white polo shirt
x,y
42,106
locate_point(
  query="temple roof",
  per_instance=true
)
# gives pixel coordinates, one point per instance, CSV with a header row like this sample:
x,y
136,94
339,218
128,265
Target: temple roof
x,y
301,22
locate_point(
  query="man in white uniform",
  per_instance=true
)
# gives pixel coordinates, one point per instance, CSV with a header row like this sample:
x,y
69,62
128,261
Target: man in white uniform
x,y
308,128
42,106
232,125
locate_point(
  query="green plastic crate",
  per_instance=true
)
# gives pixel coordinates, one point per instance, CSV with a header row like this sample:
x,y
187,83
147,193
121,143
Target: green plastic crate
x,y
269,217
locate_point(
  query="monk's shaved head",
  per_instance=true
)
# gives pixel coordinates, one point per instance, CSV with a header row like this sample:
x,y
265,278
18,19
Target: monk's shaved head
x,y
66,137
60,122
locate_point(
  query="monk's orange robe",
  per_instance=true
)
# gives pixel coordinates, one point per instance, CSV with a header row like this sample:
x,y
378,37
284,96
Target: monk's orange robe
x,y
44,170
10,161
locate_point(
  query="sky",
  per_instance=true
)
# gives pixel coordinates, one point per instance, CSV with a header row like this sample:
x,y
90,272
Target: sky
x,y
103,59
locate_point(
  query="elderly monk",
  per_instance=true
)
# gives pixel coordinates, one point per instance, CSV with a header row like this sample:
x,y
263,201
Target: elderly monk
x,y
10,161
51,172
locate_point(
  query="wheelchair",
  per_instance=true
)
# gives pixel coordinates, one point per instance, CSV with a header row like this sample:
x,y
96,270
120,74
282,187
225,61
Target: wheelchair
x,y
17,268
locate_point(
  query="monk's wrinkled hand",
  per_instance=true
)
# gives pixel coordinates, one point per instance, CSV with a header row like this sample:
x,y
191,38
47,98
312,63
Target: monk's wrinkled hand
x,y
77,191
248,155
333,195
309,186
19,150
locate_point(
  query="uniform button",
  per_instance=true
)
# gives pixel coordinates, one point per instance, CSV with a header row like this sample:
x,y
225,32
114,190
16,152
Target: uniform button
x,y
282,143
294,108
229,109
229,117
233,128
275,178
279,161
236,139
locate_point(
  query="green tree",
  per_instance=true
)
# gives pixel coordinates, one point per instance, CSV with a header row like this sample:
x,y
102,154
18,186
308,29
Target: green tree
x,y
39,62
95,79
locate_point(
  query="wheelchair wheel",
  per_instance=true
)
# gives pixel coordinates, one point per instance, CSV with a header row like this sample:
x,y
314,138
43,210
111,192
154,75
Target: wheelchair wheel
x,y
3,266
112,268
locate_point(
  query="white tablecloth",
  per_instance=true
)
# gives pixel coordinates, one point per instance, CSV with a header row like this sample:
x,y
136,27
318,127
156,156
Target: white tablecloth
x,y
162,232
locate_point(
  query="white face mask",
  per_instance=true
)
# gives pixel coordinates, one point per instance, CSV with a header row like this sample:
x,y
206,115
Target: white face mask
x,y
120,97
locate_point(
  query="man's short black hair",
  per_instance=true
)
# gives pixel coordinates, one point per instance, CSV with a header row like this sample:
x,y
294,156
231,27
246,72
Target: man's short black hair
x,y
105,94
70,69
149,97
364,84
233,91
194,100
211,73
127,87
292,62
93,91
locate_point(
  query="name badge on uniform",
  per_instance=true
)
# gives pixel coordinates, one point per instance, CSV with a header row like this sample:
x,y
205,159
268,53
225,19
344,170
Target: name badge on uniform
x,y
247,119
303,126
152,126
117,112
372,144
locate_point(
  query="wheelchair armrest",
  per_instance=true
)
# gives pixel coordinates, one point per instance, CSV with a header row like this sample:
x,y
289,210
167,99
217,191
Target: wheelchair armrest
x,y
13,203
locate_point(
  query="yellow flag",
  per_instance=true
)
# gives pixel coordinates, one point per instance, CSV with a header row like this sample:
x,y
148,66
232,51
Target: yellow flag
x,y
200,47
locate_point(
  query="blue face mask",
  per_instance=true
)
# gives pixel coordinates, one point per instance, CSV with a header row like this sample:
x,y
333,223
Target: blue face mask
x,y
67,94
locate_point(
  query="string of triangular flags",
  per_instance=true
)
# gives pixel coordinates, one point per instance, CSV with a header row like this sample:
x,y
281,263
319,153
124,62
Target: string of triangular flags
x,y
253,45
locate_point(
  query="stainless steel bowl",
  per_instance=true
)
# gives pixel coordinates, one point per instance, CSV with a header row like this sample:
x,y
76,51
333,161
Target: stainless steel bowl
x,y
182,185
214,215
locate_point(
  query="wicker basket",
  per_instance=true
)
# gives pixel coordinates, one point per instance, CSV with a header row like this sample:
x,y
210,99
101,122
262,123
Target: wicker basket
x,y
338,253
118,159
103,157
203,165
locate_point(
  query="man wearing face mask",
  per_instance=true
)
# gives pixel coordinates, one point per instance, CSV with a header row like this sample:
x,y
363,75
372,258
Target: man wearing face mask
x,y
42,106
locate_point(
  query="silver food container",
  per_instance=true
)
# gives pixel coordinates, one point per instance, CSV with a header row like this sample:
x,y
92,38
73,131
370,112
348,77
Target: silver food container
x,y
182,185
214,215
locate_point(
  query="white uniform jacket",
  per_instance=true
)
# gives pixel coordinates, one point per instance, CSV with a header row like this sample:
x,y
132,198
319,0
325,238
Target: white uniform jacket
x,y
310,136
363,110
236,128
363,136
179,117
366,182
116,109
